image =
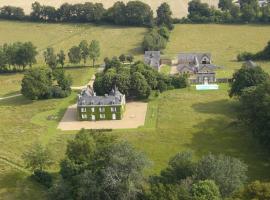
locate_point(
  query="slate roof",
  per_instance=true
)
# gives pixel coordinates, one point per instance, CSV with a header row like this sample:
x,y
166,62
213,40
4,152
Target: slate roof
x,y
152,58
88,97
192,57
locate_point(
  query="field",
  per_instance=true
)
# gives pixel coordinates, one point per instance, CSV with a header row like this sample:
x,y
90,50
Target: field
x,y
224,42
179,8
178,120
113,40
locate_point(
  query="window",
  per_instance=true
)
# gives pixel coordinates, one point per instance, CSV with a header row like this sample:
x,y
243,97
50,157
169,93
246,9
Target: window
x,y
83,109
102,116
113,109
92,109
101,109
84,116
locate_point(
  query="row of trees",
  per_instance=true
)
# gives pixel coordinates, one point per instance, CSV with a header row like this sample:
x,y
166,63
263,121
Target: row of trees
x,y
134,13
43,83
76,54
17,56
261,55
136,80
99,166
248,11
251,86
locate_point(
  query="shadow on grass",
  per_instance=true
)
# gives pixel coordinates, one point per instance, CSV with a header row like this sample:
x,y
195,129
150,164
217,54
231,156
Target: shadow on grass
x,y
17,185
15,101
225,136
223,107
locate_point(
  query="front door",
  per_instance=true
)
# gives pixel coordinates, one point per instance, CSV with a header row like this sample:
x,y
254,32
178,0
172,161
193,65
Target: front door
x,y
93,118
114,116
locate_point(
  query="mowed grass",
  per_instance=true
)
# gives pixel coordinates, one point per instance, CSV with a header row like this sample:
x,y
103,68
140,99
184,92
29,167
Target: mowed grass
x,y
224,42
200,122
113,40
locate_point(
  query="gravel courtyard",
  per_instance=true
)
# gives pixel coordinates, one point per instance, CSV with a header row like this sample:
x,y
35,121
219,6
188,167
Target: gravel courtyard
x,y
134,117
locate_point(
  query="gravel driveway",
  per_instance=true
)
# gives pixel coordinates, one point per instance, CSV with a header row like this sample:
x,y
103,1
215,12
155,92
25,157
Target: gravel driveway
x,y
134,117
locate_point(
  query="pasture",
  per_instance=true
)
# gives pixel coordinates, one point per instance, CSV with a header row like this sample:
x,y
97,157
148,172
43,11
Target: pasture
x,y
177,120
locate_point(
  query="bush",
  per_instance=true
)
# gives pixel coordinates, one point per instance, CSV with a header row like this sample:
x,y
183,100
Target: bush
x,y
43,178
245,56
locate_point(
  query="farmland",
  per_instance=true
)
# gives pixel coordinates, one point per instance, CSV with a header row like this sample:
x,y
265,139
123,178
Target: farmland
x,y
177,120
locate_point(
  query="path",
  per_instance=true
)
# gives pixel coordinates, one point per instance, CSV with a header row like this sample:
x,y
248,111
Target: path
x,y
14,165
3,98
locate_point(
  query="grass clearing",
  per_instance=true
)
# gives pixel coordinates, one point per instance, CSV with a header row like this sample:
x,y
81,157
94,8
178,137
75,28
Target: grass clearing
x,y
200,122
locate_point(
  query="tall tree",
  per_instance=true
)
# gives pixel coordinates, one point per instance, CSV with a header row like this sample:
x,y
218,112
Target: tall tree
x,y
84,50
50,58
61,57
164,16
98,167
74,55
37,157
246,77
205,190
228,173
94,51
37,83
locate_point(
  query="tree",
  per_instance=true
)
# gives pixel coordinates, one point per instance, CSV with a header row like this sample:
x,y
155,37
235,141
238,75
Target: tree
x,y
12,13
84,50
205,190
98,167
246,77
228,173
139,86
164,32
225,5
153,41
130,58
254,111
94,51
37,158
180,167
50,58
255,190
74,55
37,83
122,58
138,13
164,16
117,13
61,57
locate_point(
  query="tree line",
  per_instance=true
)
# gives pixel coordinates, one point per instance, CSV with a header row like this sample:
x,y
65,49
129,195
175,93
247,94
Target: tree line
x,y
17,56
135,80
261,55
251,87
133,13
102,167
228,12
136,13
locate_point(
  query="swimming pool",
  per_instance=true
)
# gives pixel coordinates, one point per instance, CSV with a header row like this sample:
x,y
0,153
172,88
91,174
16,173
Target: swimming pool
x,y
207,87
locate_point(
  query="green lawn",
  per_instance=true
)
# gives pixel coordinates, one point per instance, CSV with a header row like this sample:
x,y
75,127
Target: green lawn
x,y
165,69
224,42
200,122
